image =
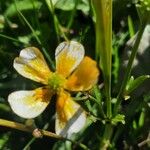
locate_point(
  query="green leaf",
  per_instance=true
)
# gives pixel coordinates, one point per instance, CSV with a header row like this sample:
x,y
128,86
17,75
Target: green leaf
x,y
131,27
143,9
4,139
142,118
147,97
133,84
134,124
97,94
68,5
119,118
4,107
22,5
88,104
2,21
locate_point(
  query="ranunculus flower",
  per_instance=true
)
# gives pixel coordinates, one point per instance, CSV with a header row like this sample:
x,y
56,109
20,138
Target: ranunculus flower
x,y
74,72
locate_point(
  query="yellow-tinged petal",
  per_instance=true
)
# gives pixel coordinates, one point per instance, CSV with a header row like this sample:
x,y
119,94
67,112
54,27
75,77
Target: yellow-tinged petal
x,y
84,77
70,116
30,104
31,64
68,56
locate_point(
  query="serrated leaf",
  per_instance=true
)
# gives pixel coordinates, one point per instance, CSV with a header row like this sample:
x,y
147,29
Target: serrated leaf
x,y
119,118
22,5
133,84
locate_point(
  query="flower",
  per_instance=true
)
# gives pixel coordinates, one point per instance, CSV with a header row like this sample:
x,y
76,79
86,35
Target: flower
x,y
74,72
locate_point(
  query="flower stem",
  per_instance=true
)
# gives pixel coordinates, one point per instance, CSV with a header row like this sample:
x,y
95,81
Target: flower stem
x,y
22,127
25,128
35,35
58,27
129,66
103,11
72,15
105,143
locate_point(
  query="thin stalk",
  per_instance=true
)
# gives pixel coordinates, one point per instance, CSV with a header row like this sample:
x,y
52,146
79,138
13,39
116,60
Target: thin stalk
x,y
25,128
33,138
51,8
57,25
129,66
36,15
35,35
12,39
22,127
94,100
72,14
38,40
98,98
29,143
100,106
31,28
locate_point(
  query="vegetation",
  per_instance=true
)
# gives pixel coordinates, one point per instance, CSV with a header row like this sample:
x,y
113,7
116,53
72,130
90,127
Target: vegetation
x,y
116,35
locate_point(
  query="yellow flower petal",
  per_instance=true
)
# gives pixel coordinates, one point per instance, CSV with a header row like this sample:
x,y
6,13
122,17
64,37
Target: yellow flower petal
x,y
31,64
70,117
68,56
30,104
84,77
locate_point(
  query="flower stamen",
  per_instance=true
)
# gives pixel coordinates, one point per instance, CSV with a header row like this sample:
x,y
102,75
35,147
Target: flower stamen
x,y
56,81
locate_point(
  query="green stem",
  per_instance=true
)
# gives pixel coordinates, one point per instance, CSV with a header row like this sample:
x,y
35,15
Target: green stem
x,y
72,14
13,39
57,25
103,11
33,138
129,66
28,24
52,9
100,106
29,143
105,143
35,35
38,40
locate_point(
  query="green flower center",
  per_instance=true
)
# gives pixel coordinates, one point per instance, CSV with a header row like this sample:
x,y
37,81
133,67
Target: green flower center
x,y
56,81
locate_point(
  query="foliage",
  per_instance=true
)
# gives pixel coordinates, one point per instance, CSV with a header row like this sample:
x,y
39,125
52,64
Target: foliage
x,y
118,107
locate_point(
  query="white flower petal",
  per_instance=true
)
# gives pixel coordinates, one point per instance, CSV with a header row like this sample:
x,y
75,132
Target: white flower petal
x,y
30,104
